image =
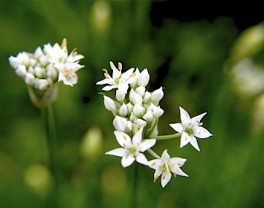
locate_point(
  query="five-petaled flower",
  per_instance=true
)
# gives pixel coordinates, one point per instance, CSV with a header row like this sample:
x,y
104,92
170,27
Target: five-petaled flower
x,y
166,165
132,149
190,128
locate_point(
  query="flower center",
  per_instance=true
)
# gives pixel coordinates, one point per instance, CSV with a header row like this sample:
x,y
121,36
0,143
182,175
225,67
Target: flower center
x,y
133,150
189,130
165,168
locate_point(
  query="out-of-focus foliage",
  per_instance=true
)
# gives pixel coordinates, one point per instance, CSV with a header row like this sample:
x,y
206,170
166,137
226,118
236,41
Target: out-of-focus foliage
x,y
187,58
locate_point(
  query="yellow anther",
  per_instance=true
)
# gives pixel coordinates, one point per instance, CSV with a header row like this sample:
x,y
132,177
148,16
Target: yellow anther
x,y
112,66
119,66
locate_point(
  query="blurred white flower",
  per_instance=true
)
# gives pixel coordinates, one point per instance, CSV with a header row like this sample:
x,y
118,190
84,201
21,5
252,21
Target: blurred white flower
x,y
165,165
190,128
45,67
132,150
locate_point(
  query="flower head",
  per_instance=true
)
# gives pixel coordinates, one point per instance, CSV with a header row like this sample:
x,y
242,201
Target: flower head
x,y
45,67
190,128
132,149
166,165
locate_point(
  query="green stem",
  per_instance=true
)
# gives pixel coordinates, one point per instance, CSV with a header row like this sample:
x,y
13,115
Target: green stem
x,y
49,123
165,137
154,154
134,198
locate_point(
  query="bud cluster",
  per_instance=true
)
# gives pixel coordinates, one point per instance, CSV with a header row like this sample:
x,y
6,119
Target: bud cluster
x,y
42,70
134,107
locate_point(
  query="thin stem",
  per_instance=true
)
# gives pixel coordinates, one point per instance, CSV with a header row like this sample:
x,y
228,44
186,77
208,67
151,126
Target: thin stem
x,y
49,123
165,137
154,154
134,198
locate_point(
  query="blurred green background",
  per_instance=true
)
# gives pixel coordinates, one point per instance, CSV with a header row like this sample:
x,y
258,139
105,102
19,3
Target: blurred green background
x,y
204,66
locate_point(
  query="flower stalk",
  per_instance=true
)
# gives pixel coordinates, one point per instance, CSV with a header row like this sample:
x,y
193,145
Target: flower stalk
x,y
50,129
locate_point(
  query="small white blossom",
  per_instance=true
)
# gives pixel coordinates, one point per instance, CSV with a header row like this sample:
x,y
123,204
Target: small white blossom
x,y
166,165
118,80
132,149
190,128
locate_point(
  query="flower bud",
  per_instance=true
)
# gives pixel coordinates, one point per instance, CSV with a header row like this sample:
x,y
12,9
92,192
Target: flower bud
x,y
140,122
138,110
41,84
123,110
156,96
147,98
109,104
121,94
40,72
21,71
140,91
52,72
120,123
129,107
148,116
134,97
29,79
158,112
143,79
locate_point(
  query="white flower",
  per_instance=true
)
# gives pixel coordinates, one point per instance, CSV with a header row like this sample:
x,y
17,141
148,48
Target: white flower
x,y
190,128
67,65
165,165
131,150
119,80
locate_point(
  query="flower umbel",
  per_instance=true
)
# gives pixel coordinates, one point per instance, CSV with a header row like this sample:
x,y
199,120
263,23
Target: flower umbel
x,y
44,68
134,107
190,128
132,149
166,165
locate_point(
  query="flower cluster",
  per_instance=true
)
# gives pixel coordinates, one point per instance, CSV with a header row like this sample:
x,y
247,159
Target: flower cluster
x,y
136,114
42,70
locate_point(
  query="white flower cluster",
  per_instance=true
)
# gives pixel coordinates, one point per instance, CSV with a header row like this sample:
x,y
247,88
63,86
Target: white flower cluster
x,y
42,70
137,113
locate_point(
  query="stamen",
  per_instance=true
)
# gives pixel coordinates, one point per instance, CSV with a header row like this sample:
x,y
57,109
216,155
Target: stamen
x,y
119,66
112,66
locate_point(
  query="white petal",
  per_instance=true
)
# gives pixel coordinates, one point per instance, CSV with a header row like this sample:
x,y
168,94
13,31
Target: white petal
x,y
177,171
137,138
185,139
126,75
198,118
105,81
109,87
185,117
120,152
177,161
201,132
194,142
140,158
177,127
146,144
165,178
157,173
127,160
123,139
165,156
156,163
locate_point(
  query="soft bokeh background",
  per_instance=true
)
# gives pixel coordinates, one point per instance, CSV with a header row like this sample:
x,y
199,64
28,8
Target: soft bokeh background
x,y
212,66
